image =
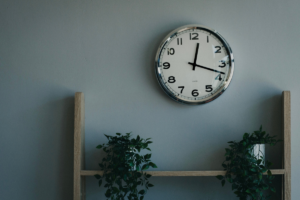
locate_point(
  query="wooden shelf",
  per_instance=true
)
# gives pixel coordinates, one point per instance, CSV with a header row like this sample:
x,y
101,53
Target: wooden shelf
x,y
79,153
179,173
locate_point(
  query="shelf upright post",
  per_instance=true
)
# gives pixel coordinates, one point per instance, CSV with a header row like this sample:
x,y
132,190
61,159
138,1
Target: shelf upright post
x,y
287,145
79,148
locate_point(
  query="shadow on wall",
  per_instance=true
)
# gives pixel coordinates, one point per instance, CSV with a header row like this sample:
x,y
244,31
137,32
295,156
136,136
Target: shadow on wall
x,y
54,167
274,125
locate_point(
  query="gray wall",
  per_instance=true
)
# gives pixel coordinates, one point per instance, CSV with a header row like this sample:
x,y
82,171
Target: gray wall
x,y
51,49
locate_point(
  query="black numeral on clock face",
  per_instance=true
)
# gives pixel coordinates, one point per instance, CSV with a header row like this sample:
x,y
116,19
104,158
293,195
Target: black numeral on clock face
x,y
171,79
207,39
195,93
182,87
171,51
208,88
223,64
179,41
166,65
218,49
194,36
219,77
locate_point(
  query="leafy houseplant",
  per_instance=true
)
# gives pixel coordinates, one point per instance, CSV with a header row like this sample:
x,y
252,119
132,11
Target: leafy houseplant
x,y
123,167
245,171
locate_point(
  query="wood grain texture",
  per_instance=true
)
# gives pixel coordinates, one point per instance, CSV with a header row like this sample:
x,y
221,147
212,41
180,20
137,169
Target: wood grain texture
x,y
79,182
179,173
287,144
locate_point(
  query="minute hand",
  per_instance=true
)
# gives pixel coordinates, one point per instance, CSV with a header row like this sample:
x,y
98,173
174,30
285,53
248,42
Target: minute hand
x,y
194,64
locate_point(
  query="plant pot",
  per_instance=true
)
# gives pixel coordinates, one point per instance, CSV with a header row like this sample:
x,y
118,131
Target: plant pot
x,y
258,151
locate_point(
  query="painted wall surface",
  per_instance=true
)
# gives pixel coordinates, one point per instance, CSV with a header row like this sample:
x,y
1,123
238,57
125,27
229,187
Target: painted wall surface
x,y
51,49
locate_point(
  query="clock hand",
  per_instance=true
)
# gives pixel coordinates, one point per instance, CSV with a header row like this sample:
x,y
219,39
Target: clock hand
x,y
196,55
194,64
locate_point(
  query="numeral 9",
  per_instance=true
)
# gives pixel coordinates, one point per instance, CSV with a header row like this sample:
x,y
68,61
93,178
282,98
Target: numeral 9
x,y
166,65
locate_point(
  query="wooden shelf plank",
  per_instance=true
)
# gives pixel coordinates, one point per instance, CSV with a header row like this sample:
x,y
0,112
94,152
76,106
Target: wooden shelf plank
x,y
179,173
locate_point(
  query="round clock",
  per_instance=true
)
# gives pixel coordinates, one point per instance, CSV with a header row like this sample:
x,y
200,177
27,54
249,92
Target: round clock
x,y
194,64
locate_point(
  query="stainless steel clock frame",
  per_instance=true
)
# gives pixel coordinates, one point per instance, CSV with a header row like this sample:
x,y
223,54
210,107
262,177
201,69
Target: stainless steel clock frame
x,y
217,93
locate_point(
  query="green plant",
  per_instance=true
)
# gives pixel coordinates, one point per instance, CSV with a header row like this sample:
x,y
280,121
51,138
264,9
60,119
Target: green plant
x,y
245,171
123,167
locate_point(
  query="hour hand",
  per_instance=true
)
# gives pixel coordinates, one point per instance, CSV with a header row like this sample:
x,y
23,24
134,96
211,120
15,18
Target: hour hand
x,y
194,64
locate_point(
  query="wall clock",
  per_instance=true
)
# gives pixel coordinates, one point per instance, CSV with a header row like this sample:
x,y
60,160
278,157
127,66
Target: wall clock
x,y
194,64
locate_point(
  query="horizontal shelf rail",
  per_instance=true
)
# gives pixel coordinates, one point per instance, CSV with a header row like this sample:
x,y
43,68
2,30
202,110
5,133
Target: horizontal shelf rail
x,y
179,173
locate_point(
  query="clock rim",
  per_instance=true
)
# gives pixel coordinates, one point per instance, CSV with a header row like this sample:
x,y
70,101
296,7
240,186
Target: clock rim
x,y
230,71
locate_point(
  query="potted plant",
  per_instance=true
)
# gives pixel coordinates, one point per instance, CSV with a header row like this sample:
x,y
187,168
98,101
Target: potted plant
x,y
123,167
244,169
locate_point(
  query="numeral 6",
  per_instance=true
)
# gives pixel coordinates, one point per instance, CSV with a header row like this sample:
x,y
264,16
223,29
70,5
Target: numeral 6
x,y
195,93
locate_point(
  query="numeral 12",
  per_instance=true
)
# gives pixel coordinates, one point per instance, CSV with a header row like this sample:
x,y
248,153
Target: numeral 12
x,y
194,36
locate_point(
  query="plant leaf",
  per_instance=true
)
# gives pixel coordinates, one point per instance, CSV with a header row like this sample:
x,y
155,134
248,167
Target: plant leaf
x,y
150,185
142,192
223,182
145,167
152,165
97,176
272,189
234,186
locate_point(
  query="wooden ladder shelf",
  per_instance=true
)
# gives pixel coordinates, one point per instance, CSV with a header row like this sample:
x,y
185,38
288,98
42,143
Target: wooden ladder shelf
x,y
79,162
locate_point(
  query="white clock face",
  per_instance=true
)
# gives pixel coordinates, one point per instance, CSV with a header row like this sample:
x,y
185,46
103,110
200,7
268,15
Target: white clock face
x,y
194,64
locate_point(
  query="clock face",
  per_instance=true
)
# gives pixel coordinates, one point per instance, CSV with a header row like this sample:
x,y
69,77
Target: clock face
x,y
194,64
